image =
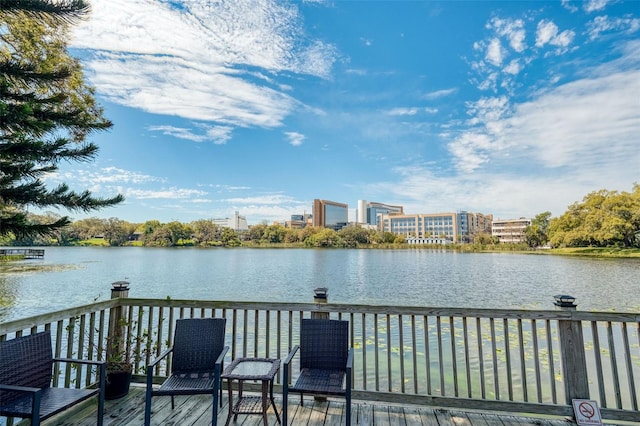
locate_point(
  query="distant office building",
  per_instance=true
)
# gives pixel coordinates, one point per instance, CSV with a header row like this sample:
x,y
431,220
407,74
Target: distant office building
x,y
472,224
330,214
368,211
436,228
236,222
440,225
510,230
299,221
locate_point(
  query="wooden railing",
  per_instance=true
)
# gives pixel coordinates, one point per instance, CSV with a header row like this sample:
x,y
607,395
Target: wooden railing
x,y
506,360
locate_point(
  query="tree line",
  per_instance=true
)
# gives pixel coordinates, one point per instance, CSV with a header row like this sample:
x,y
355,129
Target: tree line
x,y
602,219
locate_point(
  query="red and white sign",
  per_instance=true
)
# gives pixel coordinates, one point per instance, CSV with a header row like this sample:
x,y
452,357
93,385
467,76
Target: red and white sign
x,y
587,412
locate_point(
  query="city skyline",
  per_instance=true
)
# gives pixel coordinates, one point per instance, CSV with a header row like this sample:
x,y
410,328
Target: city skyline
x,y
504,108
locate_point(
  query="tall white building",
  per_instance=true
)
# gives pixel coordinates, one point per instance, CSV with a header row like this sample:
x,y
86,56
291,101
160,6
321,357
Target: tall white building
x,y
236,222
369,212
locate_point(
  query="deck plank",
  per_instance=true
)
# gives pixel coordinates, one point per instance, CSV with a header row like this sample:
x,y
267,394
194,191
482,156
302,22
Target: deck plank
x,y
196,411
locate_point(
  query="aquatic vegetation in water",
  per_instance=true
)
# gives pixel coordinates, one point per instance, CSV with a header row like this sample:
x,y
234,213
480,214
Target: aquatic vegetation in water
x,y
27,268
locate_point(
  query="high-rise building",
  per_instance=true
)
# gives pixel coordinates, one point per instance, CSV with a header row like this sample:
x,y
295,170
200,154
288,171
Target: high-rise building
x,y
330,214
368,211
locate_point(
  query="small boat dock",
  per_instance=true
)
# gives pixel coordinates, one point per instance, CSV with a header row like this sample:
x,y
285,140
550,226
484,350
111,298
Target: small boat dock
x,y
22,253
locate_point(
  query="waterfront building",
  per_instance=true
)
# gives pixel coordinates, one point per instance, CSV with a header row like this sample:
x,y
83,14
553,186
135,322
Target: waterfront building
x,y
433,228
236,222
510,230
299,221
330,214
472,224
441,225
368,212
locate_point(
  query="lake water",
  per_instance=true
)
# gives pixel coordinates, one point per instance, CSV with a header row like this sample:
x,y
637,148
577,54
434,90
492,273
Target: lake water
x,y
80,275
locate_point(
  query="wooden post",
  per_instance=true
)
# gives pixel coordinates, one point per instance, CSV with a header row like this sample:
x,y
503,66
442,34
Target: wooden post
x,y
115,333
574,363
320,296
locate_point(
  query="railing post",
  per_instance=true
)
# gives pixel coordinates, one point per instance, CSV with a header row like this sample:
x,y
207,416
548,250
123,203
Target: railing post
x,y
320,296
574,363
116,319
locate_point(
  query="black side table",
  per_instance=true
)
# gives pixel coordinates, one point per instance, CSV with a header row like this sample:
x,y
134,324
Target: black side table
x,y
262,369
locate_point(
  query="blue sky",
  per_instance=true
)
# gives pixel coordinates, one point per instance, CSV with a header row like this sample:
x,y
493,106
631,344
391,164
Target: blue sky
x,y
506,107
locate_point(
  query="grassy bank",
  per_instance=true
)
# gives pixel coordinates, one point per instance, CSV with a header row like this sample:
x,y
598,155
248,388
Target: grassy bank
x,y
597,252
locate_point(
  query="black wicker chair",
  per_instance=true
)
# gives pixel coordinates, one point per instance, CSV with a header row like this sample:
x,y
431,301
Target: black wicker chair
x,y
26,370
326,360
198,354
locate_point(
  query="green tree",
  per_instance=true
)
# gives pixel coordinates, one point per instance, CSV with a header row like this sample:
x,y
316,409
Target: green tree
x,y
537,234
117,231
256,232
229,238
205,231
47,111
274,234
603,218
326,237
354,235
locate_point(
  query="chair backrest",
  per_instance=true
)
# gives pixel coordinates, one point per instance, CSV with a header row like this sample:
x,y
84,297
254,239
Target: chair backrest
x,y
324,344
26,361
197,344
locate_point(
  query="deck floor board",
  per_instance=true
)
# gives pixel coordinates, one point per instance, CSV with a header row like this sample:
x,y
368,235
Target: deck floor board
x,y
196,411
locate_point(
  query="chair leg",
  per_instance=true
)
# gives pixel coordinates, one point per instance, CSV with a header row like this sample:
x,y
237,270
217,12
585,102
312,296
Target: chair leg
x,y
348,423
285,403
147,400
173,403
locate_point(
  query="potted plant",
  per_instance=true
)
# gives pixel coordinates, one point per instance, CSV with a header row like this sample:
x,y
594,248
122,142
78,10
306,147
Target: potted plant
x,y
121,355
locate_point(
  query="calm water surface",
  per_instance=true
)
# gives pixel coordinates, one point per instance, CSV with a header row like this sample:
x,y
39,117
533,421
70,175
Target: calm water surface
x,y
79,275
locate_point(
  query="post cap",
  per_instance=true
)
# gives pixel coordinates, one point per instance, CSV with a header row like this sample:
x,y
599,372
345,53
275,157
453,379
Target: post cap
x,y
320,292
565,301
120,285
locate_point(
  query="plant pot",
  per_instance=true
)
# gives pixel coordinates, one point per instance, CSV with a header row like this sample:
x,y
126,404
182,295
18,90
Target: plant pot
x,y
117,384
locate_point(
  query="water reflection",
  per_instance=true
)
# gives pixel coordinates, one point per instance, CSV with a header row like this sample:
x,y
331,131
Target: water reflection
x,y
71,276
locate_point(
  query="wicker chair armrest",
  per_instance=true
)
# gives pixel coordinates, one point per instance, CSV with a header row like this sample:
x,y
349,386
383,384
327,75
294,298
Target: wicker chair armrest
x,y
160,357
292,353
223,353
16,388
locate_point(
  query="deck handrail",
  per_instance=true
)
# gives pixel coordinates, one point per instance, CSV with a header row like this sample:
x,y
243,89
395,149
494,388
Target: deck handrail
x,y
491,359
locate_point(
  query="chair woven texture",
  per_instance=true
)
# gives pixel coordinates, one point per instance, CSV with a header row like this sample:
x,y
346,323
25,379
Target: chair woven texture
x,y
27,361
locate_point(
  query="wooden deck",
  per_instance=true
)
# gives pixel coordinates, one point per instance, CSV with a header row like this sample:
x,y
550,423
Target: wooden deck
x,y
196,411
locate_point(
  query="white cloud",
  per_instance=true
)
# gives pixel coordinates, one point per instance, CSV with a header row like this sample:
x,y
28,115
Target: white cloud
x,y
199,69
603,24
170,193
295,138
402,111
217,134
511,29
583,126
594,5
495,53
514,67
547,33
440,94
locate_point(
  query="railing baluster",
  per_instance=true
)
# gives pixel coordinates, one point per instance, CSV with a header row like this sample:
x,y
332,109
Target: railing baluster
x,y
494,354
376,351
414,355
507,351
629,365
552,370
467,366
536,359
523,365
427,353
483,391
598,361
389,346
364,351
401,352
440,355
614,365
454,361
